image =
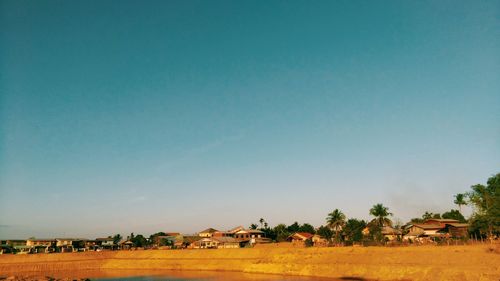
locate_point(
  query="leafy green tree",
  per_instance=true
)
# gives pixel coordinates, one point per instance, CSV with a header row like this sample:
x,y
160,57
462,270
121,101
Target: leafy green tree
x,y
307,228
381,214
281,232
325,232
454,215
416,220
117,238
154,238
486,203
479,227
269,233
353,230
253,226
294,227
139,240
165,242
336,220
460,201
426,216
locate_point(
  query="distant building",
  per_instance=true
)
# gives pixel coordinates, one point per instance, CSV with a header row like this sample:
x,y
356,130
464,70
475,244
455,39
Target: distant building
x,y
299,237
70,244
318,240
390,233
13,242
126,245
216,243
435,228
441,222
249,234
13,246
105,242
207,232
251,237
41,245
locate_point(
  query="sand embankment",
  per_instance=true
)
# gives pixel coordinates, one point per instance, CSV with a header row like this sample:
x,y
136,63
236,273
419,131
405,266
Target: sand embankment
x,y
403,263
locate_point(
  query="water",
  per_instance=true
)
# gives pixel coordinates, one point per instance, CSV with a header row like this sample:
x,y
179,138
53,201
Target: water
x,y
194,276
167,278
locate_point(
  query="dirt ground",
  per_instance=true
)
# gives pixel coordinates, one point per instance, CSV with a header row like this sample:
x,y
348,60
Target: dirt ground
x,y
478,262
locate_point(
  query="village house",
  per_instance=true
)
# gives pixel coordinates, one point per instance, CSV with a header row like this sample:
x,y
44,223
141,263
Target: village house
x,y
13,246
105,243
318,240
251,237
441,222
435,228
234,230
32,242
216,243
207,232
13,242
457,230
299,237
205,243
450,227
419,229
41,245
126,245
70,244
390,233
230,233
249,234
222,234
100,244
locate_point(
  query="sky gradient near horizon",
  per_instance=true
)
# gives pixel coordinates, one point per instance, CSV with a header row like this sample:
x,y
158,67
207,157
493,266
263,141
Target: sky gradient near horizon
x,y
146,116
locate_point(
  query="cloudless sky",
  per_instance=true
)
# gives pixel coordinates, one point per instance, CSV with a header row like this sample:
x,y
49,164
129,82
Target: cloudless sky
x,y
146,116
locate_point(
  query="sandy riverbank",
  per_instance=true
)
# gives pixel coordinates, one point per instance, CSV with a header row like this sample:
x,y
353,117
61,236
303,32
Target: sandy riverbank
x,y
402,263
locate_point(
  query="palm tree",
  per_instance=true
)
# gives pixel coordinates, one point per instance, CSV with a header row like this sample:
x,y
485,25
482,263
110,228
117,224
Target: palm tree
x,y
427,215
336,220
380,212
460,201
261,222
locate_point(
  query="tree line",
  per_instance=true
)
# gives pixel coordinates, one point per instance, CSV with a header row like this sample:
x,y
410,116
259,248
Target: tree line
x,y
484,221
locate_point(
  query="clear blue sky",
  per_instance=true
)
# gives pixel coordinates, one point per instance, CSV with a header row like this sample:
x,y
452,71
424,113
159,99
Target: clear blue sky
x,y
145,116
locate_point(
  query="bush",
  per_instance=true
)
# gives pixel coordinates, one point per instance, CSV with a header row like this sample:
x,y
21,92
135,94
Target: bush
x,y
309,243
